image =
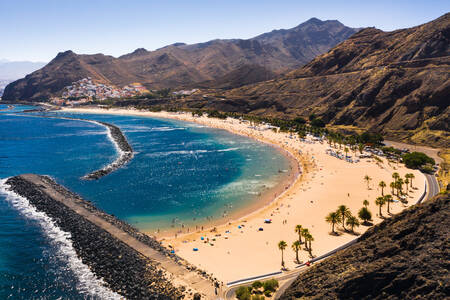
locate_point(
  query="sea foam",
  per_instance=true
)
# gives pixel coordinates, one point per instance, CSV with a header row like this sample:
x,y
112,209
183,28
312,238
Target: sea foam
x,y
88,284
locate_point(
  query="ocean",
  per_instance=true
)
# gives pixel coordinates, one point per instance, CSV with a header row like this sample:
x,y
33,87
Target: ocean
x,y
182,174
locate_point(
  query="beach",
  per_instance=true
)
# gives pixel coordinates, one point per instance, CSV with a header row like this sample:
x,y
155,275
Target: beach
x,y
316,185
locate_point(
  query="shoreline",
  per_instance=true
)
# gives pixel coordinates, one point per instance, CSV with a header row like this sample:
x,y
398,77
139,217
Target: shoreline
x,y
246,246
297,171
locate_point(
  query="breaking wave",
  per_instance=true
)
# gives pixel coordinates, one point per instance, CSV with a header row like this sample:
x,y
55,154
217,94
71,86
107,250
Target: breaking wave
x,y
88,284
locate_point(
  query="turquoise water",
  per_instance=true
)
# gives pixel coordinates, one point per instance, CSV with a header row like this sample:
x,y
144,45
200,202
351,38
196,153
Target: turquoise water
x,y
182,173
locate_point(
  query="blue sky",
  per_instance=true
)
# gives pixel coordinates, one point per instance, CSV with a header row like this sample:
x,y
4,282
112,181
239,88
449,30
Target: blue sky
x,y
37,30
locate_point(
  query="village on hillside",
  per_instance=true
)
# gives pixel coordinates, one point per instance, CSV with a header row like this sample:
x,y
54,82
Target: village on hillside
x,y
86,90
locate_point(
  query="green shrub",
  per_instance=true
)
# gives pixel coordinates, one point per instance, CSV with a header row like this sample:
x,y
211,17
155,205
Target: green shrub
x,y
416,160
299,120
268,294
257,284
317,122
258,297
243,293
270,285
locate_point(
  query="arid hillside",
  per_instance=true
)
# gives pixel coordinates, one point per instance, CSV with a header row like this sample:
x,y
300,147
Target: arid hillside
x,y
386,81
180,65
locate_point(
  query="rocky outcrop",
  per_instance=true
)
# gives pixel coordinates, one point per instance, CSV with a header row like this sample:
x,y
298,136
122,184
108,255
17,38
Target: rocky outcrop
x,y
404,257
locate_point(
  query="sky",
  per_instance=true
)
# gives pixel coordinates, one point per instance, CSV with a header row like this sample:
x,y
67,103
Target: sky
x,y
36,30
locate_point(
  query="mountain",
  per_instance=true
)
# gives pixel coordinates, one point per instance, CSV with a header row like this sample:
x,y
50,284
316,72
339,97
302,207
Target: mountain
x,y
385,81
404,257
180,65
243,75
11,70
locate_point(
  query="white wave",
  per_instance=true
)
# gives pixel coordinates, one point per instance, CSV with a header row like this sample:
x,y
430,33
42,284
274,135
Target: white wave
x,y
88,283
187,152
140,128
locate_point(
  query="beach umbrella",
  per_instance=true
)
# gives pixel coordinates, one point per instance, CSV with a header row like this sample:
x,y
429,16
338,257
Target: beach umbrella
x,y
195,249
267,220
261,229
202,238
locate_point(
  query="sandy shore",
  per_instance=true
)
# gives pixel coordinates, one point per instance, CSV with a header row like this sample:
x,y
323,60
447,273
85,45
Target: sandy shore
x,y
326,182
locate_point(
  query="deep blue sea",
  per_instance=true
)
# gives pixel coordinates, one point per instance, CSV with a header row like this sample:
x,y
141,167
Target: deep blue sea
x,y
182,173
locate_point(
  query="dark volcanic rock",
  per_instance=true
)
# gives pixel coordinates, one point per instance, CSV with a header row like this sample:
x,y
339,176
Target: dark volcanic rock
x,y
125,155
404,257
124,270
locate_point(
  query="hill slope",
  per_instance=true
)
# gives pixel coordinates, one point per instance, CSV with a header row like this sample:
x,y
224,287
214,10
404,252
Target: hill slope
x,y
180,65
388,81
404,257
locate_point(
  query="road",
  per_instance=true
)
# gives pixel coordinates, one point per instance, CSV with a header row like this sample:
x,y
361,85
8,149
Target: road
x,y
287,278
433,186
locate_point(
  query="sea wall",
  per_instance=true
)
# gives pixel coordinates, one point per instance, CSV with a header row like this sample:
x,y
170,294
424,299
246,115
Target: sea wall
x,y
125,270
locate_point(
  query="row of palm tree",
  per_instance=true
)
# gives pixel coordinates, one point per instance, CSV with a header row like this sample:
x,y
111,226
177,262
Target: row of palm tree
x,y
304,237
397,185
344,216
382,200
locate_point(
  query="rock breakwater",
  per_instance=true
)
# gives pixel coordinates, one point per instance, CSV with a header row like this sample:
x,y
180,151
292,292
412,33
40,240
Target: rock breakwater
x,y
123,147
125,270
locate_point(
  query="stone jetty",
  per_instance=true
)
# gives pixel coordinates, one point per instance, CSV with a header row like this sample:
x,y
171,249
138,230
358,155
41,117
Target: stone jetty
x,y
131,263
125,151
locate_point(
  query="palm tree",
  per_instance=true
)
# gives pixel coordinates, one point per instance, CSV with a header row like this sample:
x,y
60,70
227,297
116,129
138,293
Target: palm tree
x,y
380,202
368,179
400,186
282,245
396,176
366,203
392,185
411,177
305,233
298,230
352,221
361,148
296,246
388,198
382,185
343,211
406,184
310,239
333,218
365,215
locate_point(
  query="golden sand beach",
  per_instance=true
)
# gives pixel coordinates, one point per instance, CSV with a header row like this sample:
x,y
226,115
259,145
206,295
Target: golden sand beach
x,y
237,248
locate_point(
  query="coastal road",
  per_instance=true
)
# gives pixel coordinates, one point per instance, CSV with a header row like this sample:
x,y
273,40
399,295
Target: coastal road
x,y
433,186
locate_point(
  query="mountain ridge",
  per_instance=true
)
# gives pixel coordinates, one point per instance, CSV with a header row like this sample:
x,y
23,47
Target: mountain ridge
x,y
180,65
382,81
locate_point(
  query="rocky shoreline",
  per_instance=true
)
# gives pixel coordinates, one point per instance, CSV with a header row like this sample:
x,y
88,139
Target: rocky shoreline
x,y
125,152
125,270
